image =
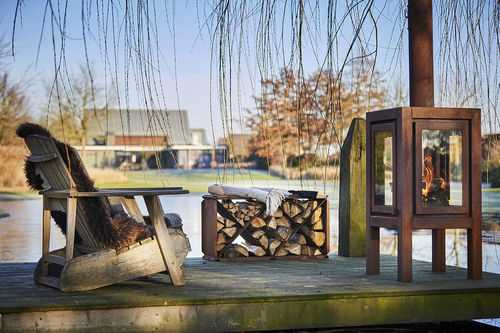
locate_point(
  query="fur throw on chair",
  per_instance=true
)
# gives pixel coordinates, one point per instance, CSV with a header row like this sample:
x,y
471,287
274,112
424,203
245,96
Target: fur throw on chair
x,y
112,229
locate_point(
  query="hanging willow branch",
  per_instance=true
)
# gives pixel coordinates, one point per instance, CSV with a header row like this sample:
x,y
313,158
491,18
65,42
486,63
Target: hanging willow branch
x,y
257,39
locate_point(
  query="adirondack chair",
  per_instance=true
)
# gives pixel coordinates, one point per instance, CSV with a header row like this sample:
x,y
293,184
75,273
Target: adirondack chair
x,y
89,264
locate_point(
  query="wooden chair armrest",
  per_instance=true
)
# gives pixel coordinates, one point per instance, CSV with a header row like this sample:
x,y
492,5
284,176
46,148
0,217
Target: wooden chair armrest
x,y
115,193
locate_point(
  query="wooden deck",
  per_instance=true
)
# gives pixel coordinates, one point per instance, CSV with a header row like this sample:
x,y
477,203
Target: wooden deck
x,y
262,295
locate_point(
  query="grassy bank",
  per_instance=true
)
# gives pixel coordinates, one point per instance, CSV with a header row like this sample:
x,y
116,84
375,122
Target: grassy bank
x,y
491,189
193,180
312,173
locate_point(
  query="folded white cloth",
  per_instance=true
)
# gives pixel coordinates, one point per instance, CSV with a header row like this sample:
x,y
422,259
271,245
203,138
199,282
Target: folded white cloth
x,y
270,196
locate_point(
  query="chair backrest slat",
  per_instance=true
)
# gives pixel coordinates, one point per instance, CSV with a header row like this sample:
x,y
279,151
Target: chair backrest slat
x,y
58,177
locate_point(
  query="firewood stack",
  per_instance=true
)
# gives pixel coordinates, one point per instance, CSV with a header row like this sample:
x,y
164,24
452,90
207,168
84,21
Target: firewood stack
x,y
238,228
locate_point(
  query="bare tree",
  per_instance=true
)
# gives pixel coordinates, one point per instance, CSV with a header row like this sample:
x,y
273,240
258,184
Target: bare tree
x,y
68,118
295,118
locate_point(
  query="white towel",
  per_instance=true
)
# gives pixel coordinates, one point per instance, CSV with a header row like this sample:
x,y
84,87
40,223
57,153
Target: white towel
x,y
271,197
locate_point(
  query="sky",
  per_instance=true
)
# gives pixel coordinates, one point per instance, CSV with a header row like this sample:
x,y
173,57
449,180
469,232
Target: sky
x,y
187,67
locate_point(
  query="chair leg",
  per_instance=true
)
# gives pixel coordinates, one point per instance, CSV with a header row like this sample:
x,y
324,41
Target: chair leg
x,y
164,241
45,228
70,227
373,251
439,250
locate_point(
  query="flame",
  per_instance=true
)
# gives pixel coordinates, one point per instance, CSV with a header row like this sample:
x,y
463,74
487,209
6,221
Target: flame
x,y
428,175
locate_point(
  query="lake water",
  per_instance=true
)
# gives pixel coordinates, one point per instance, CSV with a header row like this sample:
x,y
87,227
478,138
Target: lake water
x,y
20,234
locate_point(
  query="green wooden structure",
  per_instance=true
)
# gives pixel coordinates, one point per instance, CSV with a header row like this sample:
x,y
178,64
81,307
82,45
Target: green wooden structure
x,y
352,203
250,296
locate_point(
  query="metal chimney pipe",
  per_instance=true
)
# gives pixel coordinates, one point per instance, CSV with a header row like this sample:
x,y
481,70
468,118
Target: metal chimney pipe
x,y
420,52
422,90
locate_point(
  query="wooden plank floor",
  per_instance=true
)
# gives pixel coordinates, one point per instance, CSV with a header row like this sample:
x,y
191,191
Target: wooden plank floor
x,y
258,295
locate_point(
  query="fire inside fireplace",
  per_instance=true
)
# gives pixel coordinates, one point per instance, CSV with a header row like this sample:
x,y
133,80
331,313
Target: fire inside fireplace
x,y
441,168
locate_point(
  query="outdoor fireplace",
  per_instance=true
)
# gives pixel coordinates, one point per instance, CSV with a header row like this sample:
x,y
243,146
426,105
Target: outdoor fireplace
x,y
423,171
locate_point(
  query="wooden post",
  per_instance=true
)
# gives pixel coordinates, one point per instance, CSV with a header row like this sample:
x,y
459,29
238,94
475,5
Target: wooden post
x,y
352,203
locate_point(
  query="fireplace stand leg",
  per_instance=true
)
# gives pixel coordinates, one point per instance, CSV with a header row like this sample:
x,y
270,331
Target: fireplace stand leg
x,y
439,250
373,251
474,257
404,254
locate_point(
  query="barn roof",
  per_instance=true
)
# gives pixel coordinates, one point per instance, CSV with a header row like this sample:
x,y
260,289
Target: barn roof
x,y
140,122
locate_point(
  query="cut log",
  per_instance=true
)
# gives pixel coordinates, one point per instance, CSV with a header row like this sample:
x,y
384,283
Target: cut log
x,y
307,212
318,226
235,251
219,225
230,231
316,237
291,209
298,239
241,222
283,222
286,206
281,252
258,234
272,224
317,214
278,213
229,223
256,250
257,222
221,239
257,238
293,248
307,250
264,241
283,233
273,245
219,247
317,252
295,210
299,219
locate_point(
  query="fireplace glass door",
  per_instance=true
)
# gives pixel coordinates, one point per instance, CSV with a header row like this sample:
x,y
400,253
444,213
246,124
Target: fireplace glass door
x,y
442,166
383,171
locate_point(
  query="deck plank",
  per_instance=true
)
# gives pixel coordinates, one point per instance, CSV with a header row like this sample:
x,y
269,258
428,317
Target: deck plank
x,y
291,288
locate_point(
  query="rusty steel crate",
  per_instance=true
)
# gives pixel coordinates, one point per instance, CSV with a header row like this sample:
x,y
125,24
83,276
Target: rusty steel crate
x,y
237,228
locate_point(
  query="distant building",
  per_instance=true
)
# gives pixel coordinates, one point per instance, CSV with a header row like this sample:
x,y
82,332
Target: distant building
x,y
139,139
238,145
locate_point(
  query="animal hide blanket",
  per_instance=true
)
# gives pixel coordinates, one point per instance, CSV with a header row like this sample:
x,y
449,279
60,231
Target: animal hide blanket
x,y
111,228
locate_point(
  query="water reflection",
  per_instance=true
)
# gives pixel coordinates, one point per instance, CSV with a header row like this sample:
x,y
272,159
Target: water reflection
x,y
20,234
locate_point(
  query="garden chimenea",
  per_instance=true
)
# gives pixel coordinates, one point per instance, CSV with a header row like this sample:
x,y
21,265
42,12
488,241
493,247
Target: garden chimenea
x,y
423,171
